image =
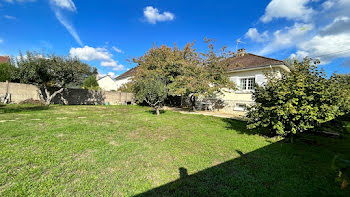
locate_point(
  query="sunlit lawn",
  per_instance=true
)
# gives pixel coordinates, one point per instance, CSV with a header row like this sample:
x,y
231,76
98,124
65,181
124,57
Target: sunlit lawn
x,y
127,150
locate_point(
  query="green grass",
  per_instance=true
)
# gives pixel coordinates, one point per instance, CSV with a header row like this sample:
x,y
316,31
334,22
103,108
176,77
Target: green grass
x,y
127,151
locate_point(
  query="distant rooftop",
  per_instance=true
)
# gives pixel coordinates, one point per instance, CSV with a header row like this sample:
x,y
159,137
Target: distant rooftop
x,y
4,59
241,60
248,60
127,74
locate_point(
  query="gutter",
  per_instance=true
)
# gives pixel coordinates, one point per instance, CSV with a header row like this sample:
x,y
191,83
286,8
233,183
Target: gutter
x,y
285,68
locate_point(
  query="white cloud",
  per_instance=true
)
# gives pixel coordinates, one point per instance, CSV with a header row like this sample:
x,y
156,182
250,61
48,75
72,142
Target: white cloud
x,y
299,55
9,17
114,64
254,35
332,41
153,16
58,6
111,74
89,53
101,54
117,49
21,1
65,4
287,37
326,48
109,63
119,67
289,9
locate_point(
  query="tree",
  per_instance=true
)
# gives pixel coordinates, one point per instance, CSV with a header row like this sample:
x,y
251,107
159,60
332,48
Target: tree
x,y
128,87
51,71
91,83
156,70
295,102
341,83
7,72
186,72
151,89
202,75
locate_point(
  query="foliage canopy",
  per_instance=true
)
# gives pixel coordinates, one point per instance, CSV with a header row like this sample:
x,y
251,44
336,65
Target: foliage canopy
x,y
51,71
184,72
91,83
296,101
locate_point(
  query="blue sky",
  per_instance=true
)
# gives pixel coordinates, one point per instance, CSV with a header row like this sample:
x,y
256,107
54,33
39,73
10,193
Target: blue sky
x,y
106,33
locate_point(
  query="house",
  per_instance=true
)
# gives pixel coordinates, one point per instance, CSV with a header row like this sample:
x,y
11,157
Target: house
x,y
125,77
4,59
107,83
245,71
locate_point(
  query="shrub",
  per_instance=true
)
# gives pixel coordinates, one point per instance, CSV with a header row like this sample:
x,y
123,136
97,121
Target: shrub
x,y
91,83
296,101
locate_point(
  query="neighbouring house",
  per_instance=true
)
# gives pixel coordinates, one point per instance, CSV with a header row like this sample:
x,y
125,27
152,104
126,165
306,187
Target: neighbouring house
x,y
107,83
4,59
125,77
245,71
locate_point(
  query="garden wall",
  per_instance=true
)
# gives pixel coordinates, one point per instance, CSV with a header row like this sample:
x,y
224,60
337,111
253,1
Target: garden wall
x,y
20,92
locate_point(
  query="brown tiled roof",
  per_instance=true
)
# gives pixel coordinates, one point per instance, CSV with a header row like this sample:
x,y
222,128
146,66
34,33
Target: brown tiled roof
x,y
4,59
127,74
245,61
249,60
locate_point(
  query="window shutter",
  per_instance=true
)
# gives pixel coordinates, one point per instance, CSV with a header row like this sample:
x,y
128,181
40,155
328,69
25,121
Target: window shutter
x,y
236,81
260,79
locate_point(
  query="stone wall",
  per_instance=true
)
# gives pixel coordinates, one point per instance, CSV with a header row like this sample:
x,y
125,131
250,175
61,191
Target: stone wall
x,y
20,92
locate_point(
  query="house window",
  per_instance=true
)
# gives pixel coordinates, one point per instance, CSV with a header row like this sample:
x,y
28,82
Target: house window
x,y
247,83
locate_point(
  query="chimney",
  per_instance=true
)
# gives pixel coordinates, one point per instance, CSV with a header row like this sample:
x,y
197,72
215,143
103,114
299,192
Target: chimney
x,y
240,52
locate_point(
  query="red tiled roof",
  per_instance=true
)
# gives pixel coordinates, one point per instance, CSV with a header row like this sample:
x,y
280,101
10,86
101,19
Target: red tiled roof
x,y
249,60
245,61
4,59
127,74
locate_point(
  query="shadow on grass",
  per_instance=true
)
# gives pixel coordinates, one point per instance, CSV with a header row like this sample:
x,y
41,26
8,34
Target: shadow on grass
x,y
154,112
279,169
241,127
21,108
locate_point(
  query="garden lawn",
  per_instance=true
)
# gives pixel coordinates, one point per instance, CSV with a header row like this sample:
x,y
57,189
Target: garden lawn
x,y
127,151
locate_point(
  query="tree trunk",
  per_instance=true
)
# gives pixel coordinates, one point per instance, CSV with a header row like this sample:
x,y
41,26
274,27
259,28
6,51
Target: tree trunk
x,y
50,97
193,102
157,111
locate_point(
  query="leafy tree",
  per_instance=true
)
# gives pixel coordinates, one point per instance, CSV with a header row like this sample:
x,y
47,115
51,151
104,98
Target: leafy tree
x,y
341,88
7,72
151,89
51,71
186,72
91,83
128,87
202,75
296,101
156,69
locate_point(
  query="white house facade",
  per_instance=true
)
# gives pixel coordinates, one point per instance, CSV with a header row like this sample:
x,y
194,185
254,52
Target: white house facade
x,y
125,78
107,83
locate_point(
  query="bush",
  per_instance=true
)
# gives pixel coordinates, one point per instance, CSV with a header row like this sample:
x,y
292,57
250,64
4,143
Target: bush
x,y
7,72
91,83
296,101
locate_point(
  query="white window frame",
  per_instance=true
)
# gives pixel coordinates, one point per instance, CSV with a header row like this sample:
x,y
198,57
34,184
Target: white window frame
x,y
249,83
